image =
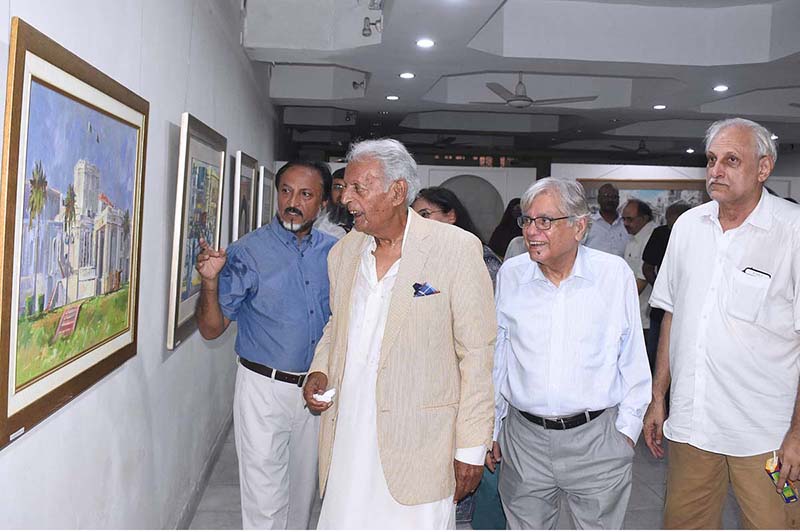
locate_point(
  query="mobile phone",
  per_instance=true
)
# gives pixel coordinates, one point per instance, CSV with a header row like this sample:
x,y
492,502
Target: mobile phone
x,y
773,468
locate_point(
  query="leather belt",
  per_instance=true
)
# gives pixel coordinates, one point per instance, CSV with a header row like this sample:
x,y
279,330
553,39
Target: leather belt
x,y
276,374
562,423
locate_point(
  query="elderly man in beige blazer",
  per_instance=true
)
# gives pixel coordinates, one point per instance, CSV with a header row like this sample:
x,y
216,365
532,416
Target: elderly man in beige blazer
x,y
408,351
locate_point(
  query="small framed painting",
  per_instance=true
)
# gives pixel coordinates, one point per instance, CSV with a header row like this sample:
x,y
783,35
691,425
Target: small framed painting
x,y
71,208
198,215
243,213
266,192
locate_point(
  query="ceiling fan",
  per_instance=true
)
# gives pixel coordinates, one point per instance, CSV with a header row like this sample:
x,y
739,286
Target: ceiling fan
x,y
641,150
519,98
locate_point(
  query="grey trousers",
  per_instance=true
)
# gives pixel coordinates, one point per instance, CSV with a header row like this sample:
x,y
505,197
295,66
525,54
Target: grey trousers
x,y
591,464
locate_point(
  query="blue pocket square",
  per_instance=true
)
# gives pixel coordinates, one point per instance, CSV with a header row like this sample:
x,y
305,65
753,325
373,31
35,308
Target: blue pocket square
x,y
424,289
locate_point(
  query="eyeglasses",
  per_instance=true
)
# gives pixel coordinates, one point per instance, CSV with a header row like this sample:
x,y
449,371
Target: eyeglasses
x,y
542,223
338,186
425,213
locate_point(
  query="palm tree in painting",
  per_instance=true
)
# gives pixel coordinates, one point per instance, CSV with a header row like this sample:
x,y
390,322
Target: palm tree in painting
x,y
36,202
69,221
126,225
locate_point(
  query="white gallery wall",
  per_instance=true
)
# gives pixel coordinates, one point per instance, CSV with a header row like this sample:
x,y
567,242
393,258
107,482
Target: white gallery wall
x,y
785,179
130,451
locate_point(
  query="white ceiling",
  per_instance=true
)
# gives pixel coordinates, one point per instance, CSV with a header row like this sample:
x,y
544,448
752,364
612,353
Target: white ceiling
x,y
331,81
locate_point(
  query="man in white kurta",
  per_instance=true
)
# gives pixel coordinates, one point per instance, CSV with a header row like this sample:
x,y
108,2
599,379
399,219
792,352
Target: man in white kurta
x,y
409,351
357,490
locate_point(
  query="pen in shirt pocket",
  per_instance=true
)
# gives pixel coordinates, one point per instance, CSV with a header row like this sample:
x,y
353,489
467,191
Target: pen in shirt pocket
x,y
756,273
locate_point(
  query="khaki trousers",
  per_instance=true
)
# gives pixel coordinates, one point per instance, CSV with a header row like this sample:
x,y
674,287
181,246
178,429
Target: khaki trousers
x,y
697,484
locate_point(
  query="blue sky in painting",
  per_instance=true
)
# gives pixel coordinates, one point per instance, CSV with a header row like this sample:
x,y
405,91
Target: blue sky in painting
x,y
59,136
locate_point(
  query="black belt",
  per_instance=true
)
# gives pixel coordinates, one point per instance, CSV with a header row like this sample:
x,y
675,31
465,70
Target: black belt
x,y
278,375
562,423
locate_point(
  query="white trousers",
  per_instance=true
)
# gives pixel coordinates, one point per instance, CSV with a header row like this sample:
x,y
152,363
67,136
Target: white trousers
x,y
276,442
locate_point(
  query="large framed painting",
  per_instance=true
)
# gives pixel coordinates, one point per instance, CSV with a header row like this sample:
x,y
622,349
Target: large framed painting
x,y
243,212
658,194
71,207
266,192
198,215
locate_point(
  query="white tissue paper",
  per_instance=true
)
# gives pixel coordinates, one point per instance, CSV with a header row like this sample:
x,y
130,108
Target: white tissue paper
x,y
326,397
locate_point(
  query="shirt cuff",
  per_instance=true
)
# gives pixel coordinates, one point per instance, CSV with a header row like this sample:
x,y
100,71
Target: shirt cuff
x,y
629,426
472,455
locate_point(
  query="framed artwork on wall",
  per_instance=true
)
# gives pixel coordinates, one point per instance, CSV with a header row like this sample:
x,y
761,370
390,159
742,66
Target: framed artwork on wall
x,y
243,212
659,194
71,206
266,192
198,214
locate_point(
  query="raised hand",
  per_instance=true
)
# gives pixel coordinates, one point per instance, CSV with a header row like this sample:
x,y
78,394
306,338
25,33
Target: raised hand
x,y
210,261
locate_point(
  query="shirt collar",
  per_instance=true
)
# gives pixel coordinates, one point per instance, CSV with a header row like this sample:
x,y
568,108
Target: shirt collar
x,y
761,216
597,217
645,232
581,268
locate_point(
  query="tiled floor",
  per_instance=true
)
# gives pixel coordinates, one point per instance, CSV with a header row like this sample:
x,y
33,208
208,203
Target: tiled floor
x,y
219,507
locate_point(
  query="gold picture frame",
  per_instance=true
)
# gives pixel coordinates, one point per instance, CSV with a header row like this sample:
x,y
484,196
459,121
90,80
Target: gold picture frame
x,y
71,247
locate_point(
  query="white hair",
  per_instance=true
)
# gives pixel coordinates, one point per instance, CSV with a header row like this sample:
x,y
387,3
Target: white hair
x,y
397,163
570,195
765,146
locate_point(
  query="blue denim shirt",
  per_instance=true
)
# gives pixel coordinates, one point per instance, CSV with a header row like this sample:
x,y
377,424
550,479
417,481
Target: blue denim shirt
x,y
278,294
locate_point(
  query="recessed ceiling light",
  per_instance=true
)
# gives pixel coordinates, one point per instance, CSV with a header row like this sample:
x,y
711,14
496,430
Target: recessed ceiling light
x,y
774,136
407,75
689,150
659,107
720,88
392,98
425,43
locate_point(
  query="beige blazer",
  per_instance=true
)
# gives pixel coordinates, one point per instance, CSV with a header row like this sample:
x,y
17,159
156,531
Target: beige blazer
x,y
434,391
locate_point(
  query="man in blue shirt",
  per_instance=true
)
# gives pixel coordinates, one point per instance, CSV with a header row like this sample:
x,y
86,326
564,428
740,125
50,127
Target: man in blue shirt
x,y
274,282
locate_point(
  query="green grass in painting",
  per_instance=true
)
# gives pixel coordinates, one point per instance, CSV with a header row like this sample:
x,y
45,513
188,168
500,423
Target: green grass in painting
x,y
37,352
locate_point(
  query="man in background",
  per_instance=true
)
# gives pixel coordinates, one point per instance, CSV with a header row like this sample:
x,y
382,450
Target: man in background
x,y
607,232
652,256
637,216
336,219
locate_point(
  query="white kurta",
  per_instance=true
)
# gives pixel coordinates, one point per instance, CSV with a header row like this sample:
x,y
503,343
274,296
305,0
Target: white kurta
x,y
356,496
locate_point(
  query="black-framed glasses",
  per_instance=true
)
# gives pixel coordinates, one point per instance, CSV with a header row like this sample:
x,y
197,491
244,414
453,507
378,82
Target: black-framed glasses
x,y
425,213
542,223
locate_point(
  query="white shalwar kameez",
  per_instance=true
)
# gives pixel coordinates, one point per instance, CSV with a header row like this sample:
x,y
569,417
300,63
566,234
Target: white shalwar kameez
x,y
356,495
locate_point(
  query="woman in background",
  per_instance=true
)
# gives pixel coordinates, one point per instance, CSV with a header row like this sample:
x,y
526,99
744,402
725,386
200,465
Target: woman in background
x,y
507,229
442,205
